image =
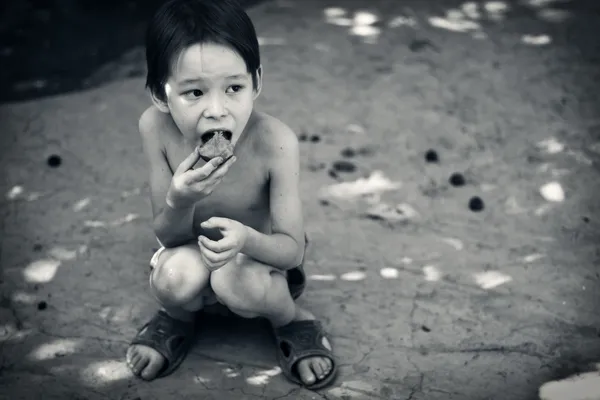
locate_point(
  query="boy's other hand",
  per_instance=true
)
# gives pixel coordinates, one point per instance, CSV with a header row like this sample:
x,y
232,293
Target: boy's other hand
x,y
215,254
191,185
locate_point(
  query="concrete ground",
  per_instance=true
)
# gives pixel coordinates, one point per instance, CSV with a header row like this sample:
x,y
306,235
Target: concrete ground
x,y
423,298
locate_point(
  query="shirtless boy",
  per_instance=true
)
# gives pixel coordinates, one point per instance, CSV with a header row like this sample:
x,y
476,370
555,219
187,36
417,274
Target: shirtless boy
x,y
231,230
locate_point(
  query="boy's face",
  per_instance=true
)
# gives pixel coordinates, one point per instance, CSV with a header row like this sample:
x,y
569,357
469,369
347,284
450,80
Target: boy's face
x,y
209,88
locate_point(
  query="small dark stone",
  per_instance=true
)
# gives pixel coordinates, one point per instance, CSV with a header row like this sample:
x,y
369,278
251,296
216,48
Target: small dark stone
x,y
324,202
419,44
315,138
476,204
54,161
303,137
457,179
425,329
348,152
332,173
431,156
344,166
586,220
42,305
37,247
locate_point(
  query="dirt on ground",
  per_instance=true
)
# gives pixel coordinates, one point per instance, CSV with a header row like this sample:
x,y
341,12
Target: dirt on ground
x,y
450,158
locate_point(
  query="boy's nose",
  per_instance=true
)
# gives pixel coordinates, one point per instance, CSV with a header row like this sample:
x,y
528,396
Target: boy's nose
x,y
215,107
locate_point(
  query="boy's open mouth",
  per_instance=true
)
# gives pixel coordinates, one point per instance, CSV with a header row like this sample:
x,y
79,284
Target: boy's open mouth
x,y
209,135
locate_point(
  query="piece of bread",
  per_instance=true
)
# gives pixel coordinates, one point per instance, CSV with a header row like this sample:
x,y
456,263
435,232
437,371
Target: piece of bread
x,y
217,146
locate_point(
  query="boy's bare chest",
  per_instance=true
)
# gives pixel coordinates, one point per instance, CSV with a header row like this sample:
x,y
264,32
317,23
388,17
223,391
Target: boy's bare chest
x,y
242,194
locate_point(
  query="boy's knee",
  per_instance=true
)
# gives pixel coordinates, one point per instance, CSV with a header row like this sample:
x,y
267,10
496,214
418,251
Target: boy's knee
x,y
242,289
180,275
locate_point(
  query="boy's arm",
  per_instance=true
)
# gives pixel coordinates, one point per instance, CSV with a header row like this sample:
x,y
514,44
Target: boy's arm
x,y
284,248
173,227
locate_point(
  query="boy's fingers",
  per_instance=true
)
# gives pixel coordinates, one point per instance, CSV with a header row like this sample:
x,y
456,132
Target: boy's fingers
x,y
206,170
216,247
188,162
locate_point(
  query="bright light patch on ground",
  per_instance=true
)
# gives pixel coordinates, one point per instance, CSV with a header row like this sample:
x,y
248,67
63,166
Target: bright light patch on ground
x,y
406,260
316,277
81,204
58,348
264,41
263,377
491,279
94,223
401,20
551,15
62,253
15,192
454,25
377,182
201,379
553,192
533,257
471,10
389,273
353,390
551,146
432,273
364,18
536,40
365,30
33,196
353,276
128,218
106,371
456,243
41,271
231,373
496,7
23,298
333,12
543,3
579,387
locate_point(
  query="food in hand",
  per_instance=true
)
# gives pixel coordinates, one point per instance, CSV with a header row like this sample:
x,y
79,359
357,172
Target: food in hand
x,y
217,146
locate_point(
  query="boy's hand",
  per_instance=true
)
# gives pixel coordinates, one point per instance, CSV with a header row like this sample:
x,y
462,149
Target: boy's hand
x,y
215,254
191,185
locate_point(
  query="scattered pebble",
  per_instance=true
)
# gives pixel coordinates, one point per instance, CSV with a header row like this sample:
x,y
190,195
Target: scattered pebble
x,y
317,277
386,212
476,204
332,174
42,305
553,192
344,166
425,329
54,161
585,219
418,45
315,138
303,137
431,156
457,179
456,243
37,247
348,152
389,273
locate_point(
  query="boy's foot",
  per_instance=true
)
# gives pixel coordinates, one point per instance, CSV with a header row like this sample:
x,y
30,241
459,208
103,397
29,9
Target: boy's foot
x,y
160,346
305,354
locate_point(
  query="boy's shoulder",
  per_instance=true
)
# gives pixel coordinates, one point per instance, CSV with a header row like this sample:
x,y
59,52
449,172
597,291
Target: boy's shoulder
x,y
276,137
151,122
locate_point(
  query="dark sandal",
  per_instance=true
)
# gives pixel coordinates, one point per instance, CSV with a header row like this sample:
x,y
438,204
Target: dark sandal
x,y
170,337
297,341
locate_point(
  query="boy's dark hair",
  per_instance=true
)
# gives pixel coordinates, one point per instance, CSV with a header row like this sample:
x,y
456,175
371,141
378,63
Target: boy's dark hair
x,y
178,24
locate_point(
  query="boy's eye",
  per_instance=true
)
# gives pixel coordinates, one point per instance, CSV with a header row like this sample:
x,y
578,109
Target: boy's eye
x,y
236,88
193,93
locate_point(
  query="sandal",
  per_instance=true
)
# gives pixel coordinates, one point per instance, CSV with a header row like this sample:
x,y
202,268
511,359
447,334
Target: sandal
x,y
170,337
297,341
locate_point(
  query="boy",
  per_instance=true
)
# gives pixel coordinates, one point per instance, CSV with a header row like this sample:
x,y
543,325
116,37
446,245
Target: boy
x,y
231,230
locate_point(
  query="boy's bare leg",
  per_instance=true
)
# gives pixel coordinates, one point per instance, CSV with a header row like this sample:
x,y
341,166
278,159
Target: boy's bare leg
x,y
252,289
179,282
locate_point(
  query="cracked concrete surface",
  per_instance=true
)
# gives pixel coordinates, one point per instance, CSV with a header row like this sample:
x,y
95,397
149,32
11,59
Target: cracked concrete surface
x,y
514,306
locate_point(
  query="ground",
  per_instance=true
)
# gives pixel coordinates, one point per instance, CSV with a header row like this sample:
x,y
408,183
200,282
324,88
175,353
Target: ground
x,y
423,297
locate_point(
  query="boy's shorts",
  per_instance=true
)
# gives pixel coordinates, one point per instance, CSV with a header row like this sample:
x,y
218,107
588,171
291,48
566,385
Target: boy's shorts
x,y
296,278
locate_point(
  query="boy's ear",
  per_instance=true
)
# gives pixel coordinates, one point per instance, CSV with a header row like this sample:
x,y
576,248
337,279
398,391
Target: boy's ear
x,y
259,79
159,103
